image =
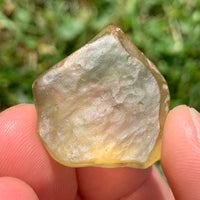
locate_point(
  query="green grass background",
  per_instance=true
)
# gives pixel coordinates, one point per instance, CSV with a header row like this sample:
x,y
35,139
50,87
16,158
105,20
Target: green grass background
x,y
35,35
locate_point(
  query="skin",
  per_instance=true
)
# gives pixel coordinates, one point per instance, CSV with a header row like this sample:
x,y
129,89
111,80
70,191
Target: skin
x,y
28,172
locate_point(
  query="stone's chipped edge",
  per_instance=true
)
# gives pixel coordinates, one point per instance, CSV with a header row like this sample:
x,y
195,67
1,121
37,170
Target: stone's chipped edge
x,y
165,99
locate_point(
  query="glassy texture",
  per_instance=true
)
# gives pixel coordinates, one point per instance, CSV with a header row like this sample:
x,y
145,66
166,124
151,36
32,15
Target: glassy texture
x,y
104,105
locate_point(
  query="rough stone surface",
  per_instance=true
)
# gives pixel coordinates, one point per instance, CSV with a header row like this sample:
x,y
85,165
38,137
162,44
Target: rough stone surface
x,y
104,105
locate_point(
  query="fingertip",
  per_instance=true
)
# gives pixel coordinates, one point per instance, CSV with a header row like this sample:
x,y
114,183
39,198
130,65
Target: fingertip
x,y
15,189
23,156
20,109
181,153
20,117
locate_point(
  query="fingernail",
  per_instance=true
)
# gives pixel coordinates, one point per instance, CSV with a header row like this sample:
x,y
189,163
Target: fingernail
x,y
196,120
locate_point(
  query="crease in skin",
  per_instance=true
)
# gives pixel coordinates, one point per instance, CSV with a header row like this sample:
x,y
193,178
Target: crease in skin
x,y
163,192
129,195
196,121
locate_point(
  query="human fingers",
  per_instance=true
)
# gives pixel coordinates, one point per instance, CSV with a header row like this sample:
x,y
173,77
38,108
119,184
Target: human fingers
x,y
181,152
15,189
22,155
122,183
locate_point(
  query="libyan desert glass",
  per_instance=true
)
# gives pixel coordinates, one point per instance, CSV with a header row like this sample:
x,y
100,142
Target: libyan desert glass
x,y
104,105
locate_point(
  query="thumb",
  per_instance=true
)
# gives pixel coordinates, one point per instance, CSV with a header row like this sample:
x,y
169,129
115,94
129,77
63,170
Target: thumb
x,y
181,152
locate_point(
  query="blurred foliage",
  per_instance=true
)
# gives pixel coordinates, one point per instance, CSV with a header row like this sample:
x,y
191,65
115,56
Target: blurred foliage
x,y
34,35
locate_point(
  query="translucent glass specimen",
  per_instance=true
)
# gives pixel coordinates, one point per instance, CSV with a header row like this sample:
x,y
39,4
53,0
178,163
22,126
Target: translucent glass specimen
x,y
104,105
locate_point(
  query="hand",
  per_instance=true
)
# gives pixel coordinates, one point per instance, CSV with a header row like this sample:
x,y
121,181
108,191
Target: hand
x,y
38,176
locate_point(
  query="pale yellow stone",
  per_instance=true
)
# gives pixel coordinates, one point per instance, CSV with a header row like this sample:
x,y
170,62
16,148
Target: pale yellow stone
x,y
104,105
